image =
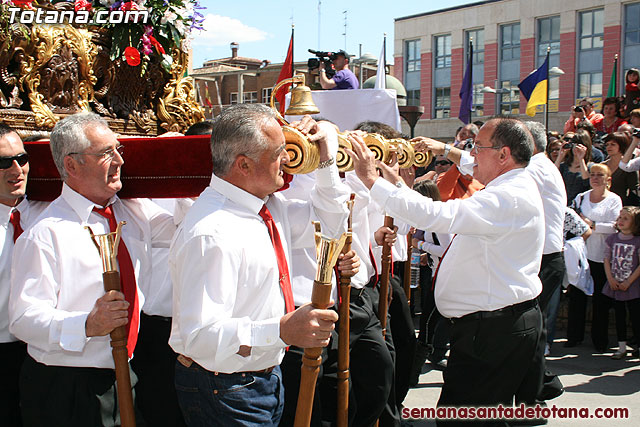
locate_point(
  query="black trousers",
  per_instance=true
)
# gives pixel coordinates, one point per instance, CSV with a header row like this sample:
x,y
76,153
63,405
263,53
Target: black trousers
x,y
404,338
12,356
621,317
60,396
154,364
490,358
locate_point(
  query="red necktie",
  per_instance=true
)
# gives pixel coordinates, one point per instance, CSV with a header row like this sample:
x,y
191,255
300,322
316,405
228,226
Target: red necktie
x,y
435,275
283,267
127,281
14,219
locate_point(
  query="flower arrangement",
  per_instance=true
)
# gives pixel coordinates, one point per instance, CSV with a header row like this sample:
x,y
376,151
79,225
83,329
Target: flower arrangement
x,y
168,25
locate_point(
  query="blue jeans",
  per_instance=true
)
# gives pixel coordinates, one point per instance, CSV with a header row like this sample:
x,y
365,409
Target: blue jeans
x,y
240,399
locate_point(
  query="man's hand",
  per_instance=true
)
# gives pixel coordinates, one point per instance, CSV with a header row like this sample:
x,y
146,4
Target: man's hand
x,y
386,235
348,264
316,135
109,312
423,144
308,327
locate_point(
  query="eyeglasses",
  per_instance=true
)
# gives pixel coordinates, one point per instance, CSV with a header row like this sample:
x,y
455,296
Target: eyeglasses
x,y
106,155
7,162
476,147
443,162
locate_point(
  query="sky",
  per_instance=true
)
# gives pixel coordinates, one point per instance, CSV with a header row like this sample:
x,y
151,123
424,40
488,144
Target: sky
x,y
263,27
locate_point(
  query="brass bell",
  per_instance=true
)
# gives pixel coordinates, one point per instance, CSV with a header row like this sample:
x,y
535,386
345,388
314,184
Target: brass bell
x,y
301,102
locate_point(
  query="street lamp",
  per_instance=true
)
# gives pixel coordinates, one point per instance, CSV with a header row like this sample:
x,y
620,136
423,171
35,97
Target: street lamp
x,y
501,91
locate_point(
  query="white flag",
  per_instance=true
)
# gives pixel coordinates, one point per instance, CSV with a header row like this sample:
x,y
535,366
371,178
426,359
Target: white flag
x,y
381,77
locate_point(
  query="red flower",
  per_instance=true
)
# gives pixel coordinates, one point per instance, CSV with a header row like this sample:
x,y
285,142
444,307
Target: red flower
x,y
132,56
82,5
157,45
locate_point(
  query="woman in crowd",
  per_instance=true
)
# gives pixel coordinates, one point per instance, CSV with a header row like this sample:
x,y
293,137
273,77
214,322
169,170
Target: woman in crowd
x,y
553,148
610,122
622,182
572,162
599,208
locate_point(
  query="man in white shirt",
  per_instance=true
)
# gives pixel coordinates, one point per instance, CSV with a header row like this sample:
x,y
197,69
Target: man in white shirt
x,y
233,308
487,282
58,305
15,215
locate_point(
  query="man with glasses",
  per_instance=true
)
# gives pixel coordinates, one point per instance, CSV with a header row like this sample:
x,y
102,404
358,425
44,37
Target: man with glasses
x,y
16,213
487,281
58,305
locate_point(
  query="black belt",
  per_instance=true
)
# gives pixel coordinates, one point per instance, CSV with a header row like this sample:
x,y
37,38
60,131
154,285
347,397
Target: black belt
x,y
501,312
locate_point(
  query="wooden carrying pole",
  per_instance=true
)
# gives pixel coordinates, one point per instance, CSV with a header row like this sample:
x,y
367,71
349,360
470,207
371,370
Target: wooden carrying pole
x,y
383,301
121,359
343,331
406,282
327,252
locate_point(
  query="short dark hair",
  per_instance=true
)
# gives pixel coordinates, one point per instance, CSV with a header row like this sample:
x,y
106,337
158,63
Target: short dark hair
x,y
5,129
201,128
621,138
382,129
512,133
588,126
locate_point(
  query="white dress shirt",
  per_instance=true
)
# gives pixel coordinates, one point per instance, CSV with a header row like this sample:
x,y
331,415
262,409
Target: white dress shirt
x,y
225,271
57,276
554,199
28,212
604,213
494,260
632,166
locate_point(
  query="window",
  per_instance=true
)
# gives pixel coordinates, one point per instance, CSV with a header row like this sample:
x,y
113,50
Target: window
x,y
631,49
590,84
549,37
590,44
443,51
443,102
592,29
477,36
413,97
247,97
412,55
510,42
509,97
478,45
266,95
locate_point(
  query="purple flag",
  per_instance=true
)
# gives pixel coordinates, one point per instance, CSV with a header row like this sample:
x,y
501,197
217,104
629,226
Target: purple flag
x,y
466,91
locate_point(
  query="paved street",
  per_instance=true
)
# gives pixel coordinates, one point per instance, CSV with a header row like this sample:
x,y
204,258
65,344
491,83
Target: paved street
x,y
590,380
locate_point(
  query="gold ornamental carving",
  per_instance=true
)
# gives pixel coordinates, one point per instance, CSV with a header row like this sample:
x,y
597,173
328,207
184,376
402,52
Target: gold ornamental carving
x,y
177,108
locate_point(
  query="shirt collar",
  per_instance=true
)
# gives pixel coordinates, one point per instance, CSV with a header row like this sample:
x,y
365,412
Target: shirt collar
x,y
505,177
5,211
237,194
80,204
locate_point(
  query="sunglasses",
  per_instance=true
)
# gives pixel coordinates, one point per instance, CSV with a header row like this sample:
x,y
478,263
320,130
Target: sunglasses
x,y
7,162
443,162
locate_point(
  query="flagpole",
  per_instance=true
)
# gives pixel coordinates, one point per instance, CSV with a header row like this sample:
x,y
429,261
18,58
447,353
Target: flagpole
x,y
546,105
615,77
470,62
293,72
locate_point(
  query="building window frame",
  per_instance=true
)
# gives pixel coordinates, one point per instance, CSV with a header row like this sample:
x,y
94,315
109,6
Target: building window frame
x,y
442,57
549,37
510,41
590,38
266,95
412,55
442,103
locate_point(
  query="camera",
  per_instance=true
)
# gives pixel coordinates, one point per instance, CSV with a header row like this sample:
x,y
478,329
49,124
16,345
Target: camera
x,y
578,109
326,57
636,133
569,146
468,144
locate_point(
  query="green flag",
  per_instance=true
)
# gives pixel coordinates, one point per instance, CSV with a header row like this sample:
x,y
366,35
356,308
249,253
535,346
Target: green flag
x,y
612,83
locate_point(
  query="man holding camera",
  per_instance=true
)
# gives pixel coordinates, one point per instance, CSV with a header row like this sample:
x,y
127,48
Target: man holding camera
x,y
343,78
583,111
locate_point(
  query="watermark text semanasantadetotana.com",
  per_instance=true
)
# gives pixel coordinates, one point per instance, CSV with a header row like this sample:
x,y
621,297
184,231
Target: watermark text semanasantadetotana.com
x,y
521,412
41,16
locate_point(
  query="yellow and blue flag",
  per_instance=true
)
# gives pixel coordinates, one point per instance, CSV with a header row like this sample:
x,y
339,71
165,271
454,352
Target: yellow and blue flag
x,y
534,88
